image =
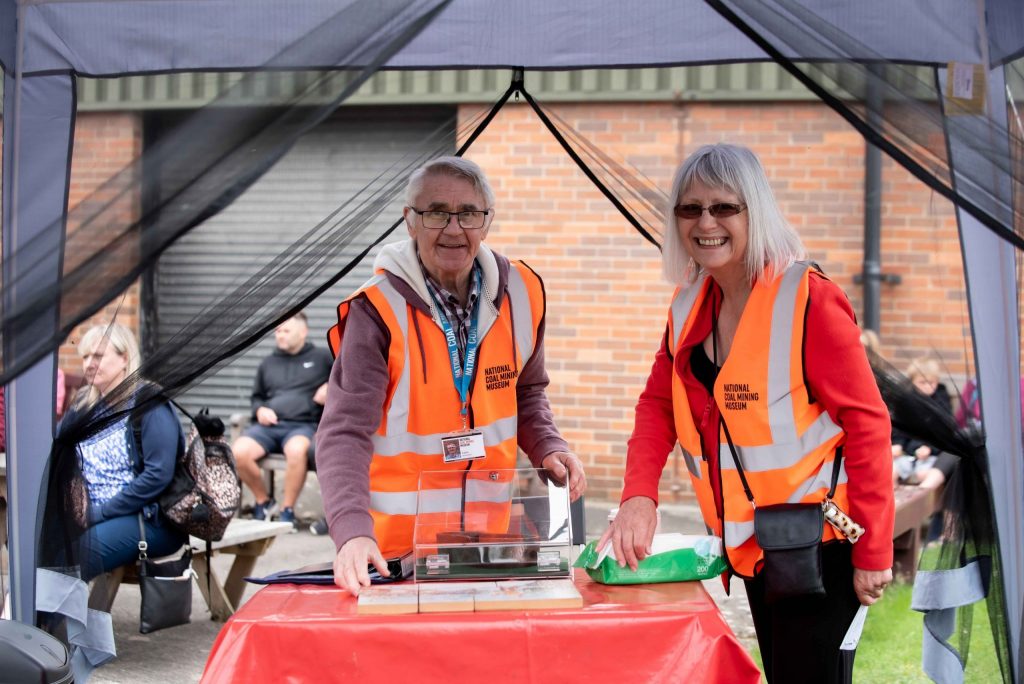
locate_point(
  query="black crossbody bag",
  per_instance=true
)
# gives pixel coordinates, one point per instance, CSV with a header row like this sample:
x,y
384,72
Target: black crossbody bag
x,y
790,536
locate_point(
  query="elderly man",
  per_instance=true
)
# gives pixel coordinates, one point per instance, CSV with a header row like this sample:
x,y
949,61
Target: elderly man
x,y
439,366
287,400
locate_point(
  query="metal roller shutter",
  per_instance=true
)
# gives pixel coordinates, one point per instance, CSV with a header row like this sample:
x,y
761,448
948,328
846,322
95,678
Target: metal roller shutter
x,y
325,166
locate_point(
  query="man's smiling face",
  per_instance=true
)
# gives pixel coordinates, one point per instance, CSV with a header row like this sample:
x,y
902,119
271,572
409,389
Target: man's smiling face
x,y
447,253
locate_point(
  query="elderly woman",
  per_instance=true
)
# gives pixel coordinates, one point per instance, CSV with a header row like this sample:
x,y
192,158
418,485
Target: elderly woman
x,y
125,468
762,368
439,366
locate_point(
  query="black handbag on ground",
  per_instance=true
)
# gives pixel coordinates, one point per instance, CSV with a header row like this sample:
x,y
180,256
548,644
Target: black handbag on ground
x,y
790,536
166,588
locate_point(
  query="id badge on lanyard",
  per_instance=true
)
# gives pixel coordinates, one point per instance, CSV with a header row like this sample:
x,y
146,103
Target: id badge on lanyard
x,y
462,446
465,444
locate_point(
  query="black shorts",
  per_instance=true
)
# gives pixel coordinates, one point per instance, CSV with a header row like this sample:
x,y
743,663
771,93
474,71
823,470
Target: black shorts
x,y
273,437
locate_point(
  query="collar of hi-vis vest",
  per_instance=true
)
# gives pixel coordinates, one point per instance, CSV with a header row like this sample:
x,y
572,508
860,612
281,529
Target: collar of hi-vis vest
x,y
756,384
401,260
397,439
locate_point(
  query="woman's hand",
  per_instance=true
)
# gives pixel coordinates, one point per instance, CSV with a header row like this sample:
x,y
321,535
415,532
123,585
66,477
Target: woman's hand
x,y
632,531
561,464
869,584
350,565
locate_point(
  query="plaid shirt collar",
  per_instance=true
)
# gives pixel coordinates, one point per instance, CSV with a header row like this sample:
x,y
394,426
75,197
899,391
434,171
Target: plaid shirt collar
x,y
457,315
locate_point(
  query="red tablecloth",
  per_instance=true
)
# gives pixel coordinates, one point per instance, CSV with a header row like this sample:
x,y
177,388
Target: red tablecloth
x,y
647,633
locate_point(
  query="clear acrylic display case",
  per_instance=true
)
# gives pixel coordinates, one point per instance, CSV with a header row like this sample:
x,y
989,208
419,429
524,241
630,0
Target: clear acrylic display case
x,y
491,524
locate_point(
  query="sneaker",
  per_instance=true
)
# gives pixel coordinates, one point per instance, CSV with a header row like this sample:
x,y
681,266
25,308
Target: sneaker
x,y
319,528
288,515
263,511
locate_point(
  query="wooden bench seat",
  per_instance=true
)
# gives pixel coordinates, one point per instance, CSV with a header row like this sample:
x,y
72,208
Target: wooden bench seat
x,y
246,540
914,508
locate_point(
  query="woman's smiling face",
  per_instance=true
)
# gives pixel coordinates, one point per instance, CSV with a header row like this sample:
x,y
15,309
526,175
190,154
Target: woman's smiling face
x,y
718,245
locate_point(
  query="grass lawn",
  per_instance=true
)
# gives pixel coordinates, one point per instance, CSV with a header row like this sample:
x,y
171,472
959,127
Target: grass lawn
x,y
890,647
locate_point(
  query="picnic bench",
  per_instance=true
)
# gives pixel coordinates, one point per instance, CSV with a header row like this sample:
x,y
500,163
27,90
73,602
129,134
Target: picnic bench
x,y
246,540
914,507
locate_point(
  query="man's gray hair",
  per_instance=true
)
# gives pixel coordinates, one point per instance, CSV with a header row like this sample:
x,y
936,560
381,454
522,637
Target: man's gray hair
x,y
772,243
458,167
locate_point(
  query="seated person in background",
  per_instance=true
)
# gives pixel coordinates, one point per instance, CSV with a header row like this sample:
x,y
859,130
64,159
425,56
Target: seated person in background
x,y
123,478
287,400
968,411
916,462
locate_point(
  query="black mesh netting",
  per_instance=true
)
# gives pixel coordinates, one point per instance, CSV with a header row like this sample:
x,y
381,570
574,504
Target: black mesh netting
x,y
966,522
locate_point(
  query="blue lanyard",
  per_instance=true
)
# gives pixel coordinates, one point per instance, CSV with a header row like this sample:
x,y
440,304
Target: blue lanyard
x,y
461,376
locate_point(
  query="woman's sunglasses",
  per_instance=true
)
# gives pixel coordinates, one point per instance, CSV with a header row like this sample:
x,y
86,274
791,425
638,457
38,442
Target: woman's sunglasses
x,y
719,210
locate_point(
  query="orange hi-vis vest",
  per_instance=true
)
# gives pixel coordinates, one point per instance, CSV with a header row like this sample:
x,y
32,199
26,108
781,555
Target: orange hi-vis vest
x,y
786,442
422,405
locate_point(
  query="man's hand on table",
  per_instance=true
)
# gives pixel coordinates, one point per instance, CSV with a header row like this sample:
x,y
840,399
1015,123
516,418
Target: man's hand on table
x,y
632,531
350,565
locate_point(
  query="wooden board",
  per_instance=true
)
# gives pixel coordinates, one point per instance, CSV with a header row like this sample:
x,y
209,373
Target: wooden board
x,y
529,595
388,599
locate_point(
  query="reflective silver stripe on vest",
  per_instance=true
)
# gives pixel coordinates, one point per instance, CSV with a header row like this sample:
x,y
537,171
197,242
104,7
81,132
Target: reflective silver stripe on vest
x,y
736,533
487,491
522,313
780,346
427,445
398,411
440,500
404,503
774,456
691,463
681,306
821,480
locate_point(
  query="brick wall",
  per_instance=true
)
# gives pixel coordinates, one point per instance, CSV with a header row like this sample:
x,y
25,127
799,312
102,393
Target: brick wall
x,y
606,300
104,145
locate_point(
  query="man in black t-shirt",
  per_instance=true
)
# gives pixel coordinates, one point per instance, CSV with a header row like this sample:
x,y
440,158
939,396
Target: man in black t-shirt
x,y
287,400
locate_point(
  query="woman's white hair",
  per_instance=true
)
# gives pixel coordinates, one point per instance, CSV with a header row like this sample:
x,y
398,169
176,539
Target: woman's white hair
x,y
772,243
114,337
458,167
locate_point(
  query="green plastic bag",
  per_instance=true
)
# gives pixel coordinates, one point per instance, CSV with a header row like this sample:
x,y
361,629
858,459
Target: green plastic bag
x,y
675,558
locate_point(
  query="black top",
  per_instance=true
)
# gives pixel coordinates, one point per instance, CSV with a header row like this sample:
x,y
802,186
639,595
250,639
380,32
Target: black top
x,y
703,369
286,383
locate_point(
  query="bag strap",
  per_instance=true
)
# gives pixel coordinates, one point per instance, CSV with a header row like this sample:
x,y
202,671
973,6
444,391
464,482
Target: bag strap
x,y
143,546
728,437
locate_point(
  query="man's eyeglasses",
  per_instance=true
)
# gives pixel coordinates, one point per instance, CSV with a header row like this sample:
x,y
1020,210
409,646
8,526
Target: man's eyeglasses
x,y
719,210
438,220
